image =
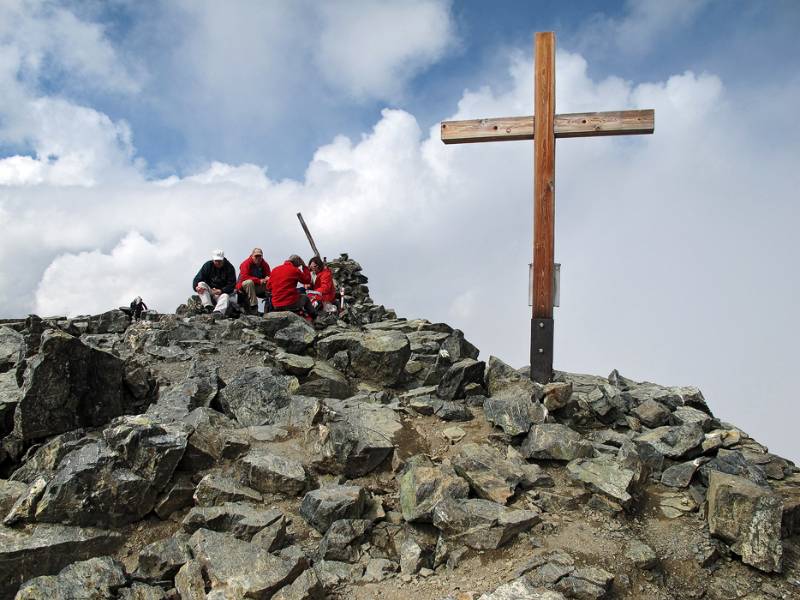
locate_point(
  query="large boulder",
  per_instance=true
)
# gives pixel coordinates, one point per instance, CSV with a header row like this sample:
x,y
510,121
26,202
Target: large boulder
x,y
240,520
268,472
481,524
378,356
513,412
424,485
682,441
606,476
321,507
288,330
491,475
458,376
256,396
70,385
358,438
553,441
97,578
237,567
323,381
115,480
748,516
45,549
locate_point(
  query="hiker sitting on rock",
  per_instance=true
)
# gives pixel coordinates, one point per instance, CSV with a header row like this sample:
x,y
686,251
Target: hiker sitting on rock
x,y
283,285
321,290
214,283
252,282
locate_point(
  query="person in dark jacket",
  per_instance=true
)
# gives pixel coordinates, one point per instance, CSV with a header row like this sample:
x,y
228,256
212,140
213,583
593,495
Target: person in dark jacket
x,y
252,282
282,284
214,283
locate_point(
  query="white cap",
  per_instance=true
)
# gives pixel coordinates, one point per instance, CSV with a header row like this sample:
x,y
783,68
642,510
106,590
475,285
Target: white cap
x,y
217,254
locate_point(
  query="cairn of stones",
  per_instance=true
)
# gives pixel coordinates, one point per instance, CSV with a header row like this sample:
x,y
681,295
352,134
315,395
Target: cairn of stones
x,y
368,456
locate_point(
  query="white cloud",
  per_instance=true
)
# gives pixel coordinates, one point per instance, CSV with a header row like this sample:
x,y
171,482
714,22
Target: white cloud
x,y
372,49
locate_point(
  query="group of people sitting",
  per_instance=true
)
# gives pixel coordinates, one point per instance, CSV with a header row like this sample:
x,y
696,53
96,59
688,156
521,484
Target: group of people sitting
x,y
292,286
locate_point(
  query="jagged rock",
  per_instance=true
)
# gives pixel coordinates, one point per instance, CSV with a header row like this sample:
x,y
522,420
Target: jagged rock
x,y
652,413
323,381
748,516
12,347
332,573
605,476
179,494
294,364
114,481
423,486
70,385
674,505
680,475
189,581
481,524
46,458
321,507
24,507
162,559
640,554
256,395
457,347
10,492
459,375
589,583
9,398
379,569
343,539
562,498
272,537
306,587
240,520
685,415
676,442
215,490
732,462
198,389
521,590
454,434
375,356
271,473
490,475
358,438
97,578
502,377
553,441
233,564
141,591
288,330
514,414
556,395
45,549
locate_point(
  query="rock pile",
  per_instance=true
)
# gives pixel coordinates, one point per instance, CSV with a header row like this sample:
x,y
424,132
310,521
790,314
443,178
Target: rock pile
x,y
184,457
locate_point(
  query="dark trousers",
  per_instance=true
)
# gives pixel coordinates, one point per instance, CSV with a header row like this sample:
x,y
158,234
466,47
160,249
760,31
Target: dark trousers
x,y
302,303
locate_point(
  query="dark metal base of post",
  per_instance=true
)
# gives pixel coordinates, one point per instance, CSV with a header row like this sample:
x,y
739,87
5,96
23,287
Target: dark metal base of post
x,y
541,350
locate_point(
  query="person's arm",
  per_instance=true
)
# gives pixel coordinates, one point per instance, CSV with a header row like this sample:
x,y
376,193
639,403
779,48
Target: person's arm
x,y
305,275
244,274
198,278
267,270
325,284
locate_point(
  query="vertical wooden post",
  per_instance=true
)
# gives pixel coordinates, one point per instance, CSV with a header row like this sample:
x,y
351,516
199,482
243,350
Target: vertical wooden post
x,y
544,144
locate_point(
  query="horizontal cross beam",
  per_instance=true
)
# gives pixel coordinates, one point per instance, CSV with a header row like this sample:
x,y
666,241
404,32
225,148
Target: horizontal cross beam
x,y
506,129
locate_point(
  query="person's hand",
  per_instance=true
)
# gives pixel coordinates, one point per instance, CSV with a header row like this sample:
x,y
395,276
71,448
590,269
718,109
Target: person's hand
x,y
264,281
198,289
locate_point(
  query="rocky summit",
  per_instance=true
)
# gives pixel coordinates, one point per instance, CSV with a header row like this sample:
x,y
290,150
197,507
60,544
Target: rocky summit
x,y
365,456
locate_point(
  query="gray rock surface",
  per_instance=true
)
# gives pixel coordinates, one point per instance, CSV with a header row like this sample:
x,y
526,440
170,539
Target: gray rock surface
x,y
423,486
489,473
321,507
481,524
256,395
95,578
268,472
554,441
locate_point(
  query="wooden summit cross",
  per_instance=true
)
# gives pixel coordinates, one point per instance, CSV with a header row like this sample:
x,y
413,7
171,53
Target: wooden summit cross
x,y
547,127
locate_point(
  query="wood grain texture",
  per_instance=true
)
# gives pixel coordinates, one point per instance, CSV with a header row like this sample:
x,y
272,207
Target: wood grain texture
x,y
544,161
505,129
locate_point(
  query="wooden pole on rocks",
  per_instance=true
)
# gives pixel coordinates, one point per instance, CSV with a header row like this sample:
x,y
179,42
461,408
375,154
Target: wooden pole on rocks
x,y
308,235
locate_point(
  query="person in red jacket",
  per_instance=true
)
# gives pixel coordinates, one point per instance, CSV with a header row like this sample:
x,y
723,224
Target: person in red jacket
x,y
252,283
322,288
283,282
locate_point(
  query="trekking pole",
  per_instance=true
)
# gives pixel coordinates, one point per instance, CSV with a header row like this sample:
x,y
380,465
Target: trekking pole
x,y
308,235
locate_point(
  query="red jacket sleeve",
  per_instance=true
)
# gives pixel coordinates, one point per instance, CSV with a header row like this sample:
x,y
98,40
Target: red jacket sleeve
x,y
305,275
244,273
324,285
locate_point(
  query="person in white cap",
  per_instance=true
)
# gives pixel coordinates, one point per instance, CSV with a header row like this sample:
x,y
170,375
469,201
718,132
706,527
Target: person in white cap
x,y
214,283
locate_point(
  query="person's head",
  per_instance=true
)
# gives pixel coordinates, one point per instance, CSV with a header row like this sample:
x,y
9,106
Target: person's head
x,y
295,260
218,257
257,255
315,264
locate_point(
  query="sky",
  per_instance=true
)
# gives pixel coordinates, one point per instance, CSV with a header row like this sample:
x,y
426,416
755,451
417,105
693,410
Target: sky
x,y
135,137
